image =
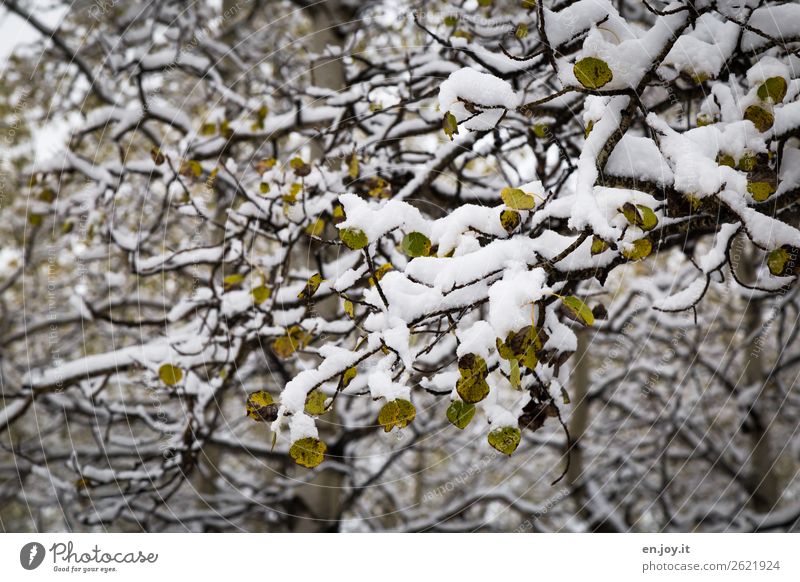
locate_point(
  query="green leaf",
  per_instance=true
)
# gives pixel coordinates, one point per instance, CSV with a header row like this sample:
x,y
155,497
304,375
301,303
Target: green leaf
x,y
416,244
773,88
579,309
169,374
760,190
450,125
510,220
505,439
598,245
516,199
460,413
311,287
353,238
261,407
263,188
396,413
760,117
308,452
315,403
260,294
641,249
592,72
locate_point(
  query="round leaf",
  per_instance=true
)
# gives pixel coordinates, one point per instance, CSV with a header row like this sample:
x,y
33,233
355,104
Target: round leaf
x,y
460,413
353,238
505,439
760,190
396,413
641,249
510,220
169,374
592,72
760,117
261,407
308,452
773,88
516,199
416,244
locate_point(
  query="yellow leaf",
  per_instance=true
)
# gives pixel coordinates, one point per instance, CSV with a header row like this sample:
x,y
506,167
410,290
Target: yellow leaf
x,y
316,228
598,245
311,287
232,280
760,117
641,249
396,413
169,374
592,72
348,376
515,376
352,166
308,452
450,124
380,272
516,199
760,190
510,220
300,167
261,407
315,403
579,309
260,294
